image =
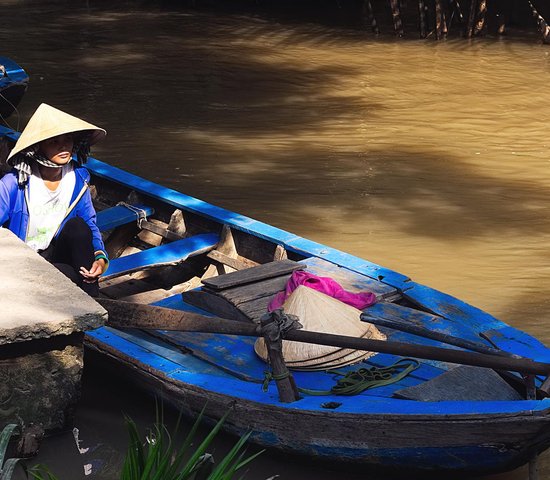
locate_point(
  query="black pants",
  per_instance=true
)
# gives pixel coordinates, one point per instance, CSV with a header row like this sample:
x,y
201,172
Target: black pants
x,y
73,249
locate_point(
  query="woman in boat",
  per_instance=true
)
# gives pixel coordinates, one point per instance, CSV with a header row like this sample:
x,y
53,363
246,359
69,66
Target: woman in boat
x,y
45,200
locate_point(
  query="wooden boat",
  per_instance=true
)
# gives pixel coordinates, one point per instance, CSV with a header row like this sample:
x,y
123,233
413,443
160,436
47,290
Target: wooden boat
x,y
174,251
13,85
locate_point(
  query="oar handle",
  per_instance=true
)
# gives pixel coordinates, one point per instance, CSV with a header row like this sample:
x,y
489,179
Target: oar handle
x,y
521,364
131,315
408,327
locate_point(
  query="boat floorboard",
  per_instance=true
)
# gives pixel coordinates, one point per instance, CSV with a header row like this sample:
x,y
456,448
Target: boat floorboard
x,y
236,354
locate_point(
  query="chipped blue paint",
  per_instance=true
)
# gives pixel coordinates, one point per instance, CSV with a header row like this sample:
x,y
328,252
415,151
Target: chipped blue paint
x,y
449,307
512,340
173,252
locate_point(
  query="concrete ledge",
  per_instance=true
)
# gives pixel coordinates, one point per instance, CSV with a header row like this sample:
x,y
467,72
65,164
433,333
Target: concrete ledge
x,y
44,316
37,300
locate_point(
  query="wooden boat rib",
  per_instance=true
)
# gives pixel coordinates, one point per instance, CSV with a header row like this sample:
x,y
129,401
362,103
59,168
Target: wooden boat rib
x,y
166,245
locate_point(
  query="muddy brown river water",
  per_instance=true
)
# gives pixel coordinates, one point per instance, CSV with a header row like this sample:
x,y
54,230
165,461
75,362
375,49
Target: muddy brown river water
x,y
428,158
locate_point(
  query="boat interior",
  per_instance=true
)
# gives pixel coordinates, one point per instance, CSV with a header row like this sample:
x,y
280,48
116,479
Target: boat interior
x,y
166,256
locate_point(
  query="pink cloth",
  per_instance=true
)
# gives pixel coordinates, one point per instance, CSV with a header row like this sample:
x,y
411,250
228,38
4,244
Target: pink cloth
x,y
326,285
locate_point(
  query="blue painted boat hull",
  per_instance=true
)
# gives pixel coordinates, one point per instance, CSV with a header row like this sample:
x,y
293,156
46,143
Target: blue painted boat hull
x,y
375,428
379,434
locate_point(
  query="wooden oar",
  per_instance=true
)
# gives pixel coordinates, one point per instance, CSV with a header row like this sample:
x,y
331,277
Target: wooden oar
x,y
409,327
131,315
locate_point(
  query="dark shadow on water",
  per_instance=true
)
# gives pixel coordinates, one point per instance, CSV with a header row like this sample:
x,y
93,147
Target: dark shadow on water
x,y
183,105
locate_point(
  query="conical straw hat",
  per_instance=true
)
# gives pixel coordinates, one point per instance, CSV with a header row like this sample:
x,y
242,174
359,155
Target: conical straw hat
x,y
48,122
344,356
321,313
334,364
339,358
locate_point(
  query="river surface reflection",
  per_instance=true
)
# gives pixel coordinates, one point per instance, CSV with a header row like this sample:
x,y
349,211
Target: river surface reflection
x,y
428,158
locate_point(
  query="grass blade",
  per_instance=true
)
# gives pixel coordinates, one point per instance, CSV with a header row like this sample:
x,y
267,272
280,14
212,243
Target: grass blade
x,y
9,468
5,437
201,449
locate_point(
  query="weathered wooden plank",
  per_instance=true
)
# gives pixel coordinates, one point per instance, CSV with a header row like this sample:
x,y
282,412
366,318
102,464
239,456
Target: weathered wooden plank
x,y
515,341
251,275
255,309
398,322
236,263
162,231
447,306
252,299
249,292
119,239
207,300
151,296
464,383
218,305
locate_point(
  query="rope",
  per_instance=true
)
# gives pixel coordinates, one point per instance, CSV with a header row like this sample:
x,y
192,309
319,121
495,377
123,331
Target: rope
x,y
141,214
357,381
268,376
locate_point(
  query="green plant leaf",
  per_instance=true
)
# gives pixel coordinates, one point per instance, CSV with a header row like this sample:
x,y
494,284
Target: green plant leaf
x,y
5,437
157,458
134,460
9,468
41,472
233,461
201,449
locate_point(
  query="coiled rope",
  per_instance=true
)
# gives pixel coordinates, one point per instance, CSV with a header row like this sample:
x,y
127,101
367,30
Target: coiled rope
x,y
356,381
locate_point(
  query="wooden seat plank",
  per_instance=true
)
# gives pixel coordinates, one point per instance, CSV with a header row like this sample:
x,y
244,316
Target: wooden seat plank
x,y
167,254
246,293
245,302
119,215
252,275
249,299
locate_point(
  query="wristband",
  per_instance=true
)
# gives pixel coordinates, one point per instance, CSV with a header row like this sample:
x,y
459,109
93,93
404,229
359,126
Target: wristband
x,y
100,256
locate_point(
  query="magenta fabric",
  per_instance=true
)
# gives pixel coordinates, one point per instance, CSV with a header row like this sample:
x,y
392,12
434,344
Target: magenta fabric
x,y
326,285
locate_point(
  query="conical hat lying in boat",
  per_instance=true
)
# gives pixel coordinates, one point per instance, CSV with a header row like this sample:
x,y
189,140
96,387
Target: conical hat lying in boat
x,y
339,358
318,312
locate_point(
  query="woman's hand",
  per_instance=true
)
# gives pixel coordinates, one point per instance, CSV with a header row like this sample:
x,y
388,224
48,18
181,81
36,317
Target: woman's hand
x,y
97,268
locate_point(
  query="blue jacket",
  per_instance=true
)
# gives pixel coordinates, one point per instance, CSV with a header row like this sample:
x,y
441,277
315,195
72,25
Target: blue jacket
x,y
14,208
